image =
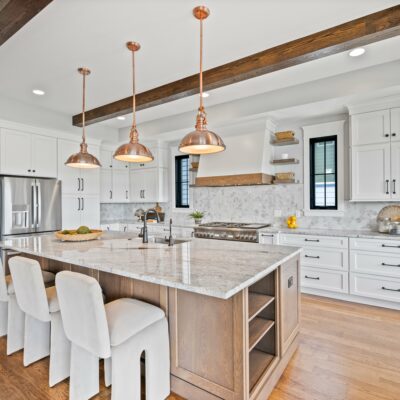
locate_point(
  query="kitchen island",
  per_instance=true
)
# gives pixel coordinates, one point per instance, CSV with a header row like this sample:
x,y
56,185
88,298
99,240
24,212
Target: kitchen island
x,y
233,308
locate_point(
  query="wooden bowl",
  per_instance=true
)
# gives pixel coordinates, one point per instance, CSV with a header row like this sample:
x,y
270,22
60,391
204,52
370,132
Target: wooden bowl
x,y
76,237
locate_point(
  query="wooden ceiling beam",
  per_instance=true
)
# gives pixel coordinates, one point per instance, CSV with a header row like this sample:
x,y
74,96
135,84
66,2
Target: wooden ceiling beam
x,y
359,32
14,14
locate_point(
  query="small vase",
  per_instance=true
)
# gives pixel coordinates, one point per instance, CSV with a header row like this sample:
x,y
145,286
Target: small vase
x,y
197,221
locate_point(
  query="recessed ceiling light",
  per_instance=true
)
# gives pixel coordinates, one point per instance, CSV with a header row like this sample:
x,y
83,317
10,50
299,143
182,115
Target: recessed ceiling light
x,y
205,94
38,92
359,51
121,118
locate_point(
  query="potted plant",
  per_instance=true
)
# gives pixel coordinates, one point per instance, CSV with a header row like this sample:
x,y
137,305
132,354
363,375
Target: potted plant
x,y
197,216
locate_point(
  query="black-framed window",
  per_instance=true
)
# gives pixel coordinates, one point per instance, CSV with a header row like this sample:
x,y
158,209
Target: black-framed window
x,y
182,181
323,173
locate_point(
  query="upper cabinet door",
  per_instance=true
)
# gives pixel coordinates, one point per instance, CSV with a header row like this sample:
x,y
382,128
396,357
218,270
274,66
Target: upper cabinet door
x,y
395,178
371,172
44,156
395,124
106,189
371,127
106,159
16,153
120,182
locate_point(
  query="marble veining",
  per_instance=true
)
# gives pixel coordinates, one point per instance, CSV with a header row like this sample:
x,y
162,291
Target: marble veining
x,y
209,267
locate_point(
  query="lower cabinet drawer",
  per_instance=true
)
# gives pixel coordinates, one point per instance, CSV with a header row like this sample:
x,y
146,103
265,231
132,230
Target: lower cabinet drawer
x,y
291,239
325,258
316,278
375,263
378,287
389,246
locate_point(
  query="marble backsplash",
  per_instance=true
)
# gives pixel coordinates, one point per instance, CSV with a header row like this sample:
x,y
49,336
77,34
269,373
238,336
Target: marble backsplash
x,y
255,204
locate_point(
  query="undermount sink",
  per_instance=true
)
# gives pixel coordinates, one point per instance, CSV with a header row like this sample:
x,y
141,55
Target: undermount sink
x,y
161,240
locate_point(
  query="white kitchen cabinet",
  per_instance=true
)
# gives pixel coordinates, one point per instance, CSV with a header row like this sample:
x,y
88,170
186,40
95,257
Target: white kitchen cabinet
x,y
106,188
395,124
107,160
120,184
371,127
80,210
371,172
114,186
268,238
28,154
375,150
77,181
44,156
395,171
148,185
324,279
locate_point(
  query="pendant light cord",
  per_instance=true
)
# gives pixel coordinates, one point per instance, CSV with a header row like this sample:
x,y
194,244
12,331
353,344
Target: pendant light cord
x,y
201,64
134,133
83,108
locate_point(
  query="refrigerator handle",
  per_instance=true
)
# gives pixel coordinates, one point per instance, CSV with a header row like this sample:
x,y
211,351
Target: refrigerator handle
x,y
38,205
32,224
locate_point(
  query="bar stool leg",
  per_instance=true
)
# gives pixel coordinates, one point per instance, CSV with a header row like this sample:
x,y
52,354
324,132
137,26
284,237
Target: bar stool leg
x,y
157,360
60,351
37,340
107,372
3,318
16,326
84,379
126,379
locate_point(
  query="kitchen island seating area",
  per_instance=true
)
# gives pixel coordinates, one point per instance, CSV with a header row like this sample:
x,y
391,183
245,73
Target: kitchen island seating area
x,y
12,318
44,332
70,323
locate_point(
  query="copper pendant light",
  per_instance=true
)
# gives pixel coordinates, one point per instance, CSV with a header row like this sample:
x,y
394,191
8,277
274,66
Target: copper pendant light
x,y
83,159
201,141
133,151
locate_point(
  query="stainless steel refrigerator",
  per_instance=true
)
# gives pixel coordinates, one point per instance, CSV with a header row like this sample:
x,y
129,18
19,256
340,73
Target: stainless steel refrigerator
x,y
29,205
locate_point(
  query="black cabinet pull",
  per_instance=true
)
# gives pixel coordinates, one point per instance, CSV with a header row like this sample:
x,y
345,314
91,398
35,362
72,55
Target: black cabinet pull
x,y
388,245
311,240
390,290
110,194
387,186
394,186
390,265
34,170
316,278
83,184
265,234
387,135
29,170
393,134
311,256
83,203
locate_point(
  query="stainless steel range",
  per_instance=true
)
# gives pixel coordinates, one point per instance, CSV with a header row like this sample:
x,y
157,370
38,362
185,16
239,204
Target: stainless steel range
x,y
229,231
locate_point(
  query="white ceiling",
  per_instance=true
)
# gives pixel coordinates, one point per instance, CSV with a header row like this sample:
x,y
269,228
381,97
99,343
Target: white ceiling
x,y
71,33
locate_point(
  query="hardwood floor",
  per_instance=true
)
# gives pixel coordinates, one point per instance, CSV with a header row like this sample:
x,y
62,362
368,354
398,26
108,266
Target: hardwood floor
x,y
347,352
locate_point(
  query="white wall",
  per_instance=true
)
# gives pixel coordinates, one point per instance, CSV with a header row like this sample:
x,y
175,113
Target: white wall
x,y
36,116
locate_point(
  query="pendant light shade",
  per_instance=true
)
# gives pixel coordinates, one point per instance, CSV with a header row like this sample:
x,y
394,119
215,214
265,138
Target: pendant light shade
x,y
201,140
83,159
133,151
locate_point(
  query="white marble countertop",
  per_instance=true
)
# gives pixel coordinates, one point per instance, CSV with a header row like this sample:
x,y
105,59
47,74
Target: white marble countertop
x,y
333,232
210,267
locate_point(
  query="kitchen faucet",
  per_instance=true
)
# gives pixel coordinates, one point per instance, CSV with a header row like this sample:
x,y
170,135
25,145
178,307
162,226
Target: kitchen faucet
x,y
145,233
170,239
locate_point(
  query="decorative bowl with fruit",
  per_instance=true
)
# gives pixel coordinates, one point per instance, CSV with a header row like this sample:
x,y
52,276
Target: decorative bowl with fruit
x,y
81,234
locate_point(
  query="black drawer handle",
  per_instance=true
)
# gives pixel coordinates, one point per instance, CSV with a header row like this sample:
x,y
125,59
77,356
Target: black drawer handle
x,y
267,235
387,245
316,278
311,240
390,290
311,256
391,265
387,186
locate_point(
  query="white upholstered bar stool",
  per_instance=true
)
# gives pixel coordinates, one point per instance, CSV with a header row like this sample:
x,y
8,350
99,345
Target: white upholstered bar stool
x,y
118,332
12,318
44,331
